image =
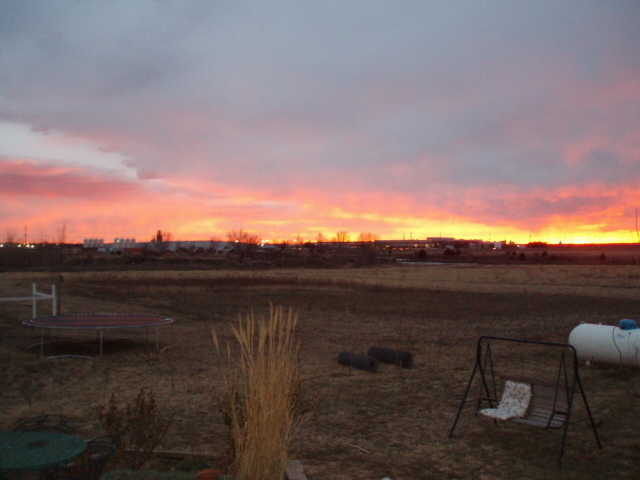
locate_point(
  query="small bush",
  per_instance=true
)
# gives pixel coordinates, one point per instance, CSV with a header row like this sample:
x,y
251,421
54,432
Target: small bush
x,y
139,423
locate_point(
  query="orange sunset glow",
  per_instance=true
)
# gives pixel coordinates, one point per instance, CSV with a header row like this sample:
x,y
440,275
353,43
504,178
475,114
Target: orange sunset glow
x,y
478,121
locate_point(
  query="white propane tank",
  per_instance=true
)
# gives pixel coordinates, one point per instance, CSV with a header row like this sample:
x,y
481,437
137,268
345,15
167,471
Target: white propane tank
x,y
606,344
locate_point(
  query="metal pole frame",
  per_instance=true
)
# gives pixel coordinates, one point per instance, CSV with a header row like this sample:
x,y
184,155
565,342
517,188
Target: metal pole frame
x,y
575,382
100,336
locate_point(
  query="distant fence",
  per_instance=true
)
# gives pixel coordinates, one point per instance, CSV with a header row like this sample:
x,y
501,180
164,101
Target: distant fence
x,y
35,296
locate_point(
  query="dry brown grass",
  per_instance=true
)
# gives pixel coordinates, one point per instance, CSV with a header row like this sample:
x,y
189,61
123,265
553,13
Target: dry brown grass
x,y
259,399
393,423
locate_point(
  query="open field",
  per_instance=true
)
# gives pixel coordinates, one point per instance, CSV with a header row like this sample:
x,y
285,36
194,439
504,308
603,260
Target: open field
x,y
392,423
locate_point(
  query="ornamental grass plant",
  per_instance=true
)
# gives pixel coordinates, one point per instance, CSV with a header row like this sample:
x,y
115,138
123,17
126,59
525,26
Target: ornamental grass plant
x,y
262,394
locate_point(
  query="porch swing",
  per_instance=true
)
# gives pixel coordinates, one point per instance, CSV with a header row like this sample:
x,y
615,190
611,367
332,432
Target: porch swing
x,y
524,399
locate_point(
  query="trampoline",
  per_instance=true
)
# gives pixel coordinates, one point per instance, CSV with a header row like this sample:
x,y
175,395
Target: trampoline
x,y
99,322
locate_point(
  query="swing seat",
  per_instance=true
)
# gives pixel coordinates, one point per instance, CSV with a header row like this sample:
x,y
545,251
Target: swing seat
x,y
549,405
545,406
514,403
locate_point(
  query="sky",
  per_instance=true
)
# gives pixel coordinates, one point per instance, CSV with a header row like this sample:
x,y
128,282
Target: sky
x,y
494,120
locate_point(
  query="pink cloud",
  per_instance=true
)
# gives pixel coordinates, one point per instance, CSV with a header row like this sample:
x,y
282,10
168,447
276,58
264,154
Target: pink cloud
x,y
25,178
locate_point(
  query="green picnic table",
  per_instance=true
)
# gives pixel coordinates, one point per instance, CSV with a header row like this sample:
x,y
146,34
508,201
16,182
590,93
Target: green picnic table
x,y
27,450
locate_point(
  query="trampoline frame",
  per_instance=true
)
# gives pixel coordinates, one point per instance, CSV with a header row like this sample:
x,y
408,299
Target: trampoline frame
x,y
99,322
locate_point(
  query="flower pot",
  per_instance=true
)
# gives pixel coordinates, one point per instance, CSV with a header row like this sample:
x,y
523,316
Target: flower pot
x,y
208,474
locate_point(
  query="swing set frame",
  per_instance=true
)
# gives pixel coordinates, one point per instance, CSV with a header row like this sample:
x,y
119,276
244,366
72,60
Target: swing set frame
x,y
552,402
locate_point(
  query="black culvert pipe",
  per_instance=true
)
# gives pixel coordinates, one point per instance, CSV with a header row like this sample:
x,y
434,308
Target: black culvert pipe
x,y
387,355
362,362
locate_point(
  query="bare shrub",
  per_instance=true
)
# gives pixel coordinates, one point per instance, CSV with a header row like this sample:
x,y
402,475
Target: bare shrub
x,y
140,424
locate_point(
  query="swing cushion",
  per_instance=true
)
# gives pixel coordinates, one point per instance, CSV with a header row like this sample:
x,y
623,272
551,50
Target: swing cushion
x,y
514,403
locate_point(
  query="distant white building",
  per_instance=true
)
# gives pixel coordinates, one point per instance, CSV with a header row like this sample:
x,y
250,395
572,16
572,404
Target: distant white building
x,y
93,243
119,245
222,248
